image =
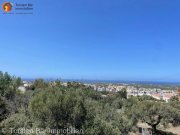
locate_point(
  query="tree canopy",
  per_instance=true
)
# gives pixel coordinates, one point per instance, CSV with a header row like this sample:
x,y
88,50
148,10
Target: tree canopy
x,y
51,105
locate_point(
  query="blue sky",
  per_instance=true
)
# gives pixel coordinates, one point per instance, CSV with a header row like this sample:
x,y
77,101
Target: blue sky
x,y
93,39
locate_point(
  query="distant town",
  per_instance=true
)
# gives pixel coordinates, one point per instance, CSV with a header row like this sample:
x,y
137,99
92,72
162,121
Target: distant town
x,y
159,92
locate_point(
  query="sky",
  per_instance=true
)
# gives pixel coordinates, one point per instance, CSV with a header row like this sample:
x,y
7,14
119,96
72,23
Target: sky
x,y
93,39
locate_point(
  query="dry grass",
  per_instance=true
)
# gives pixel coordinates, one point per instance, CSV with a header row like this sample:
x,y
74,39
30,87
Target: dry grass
x,y
171,129
174,130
